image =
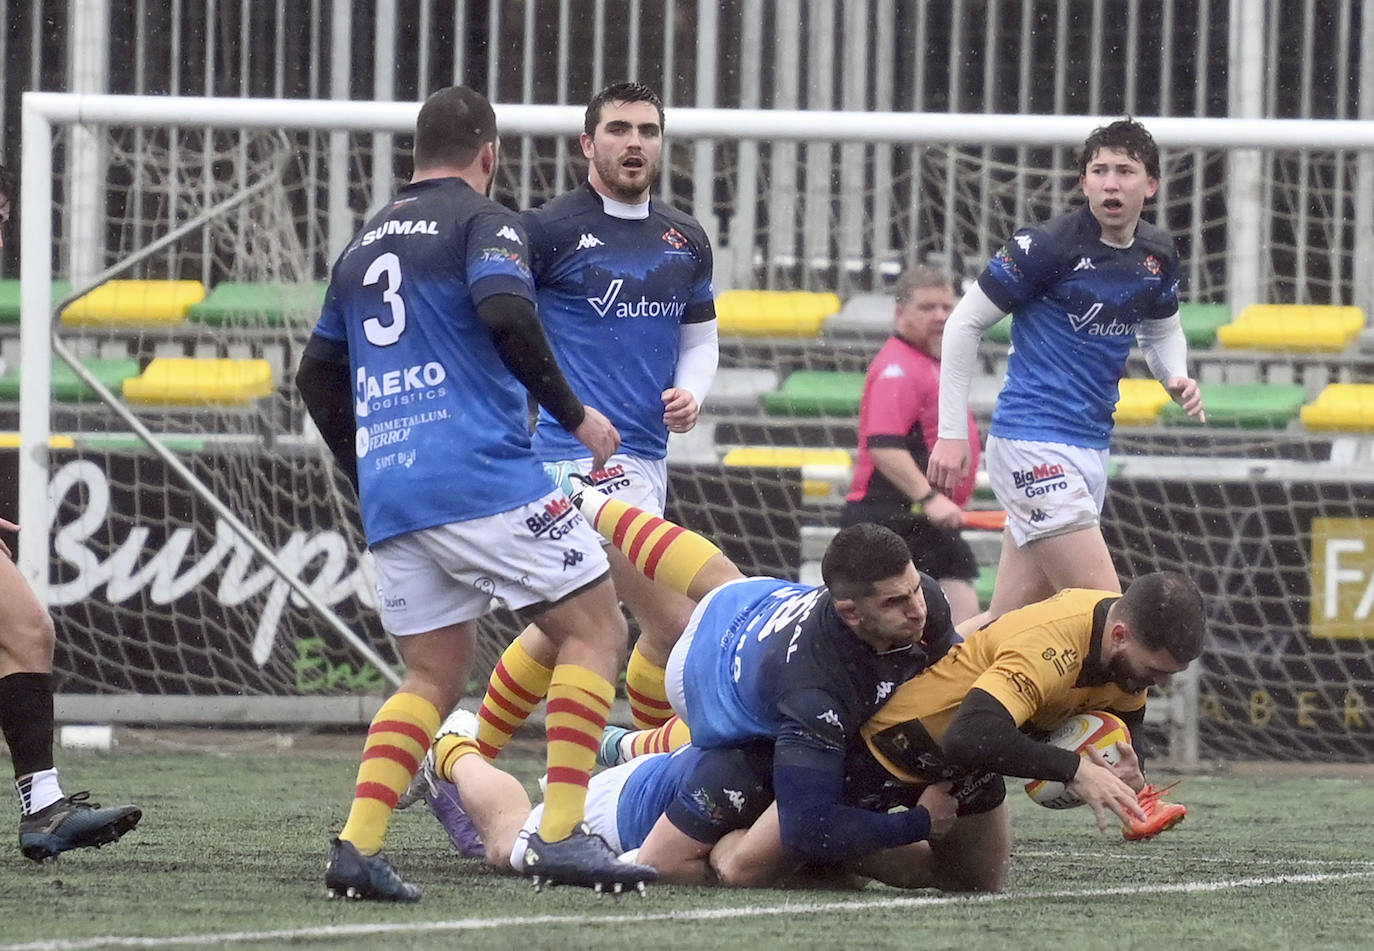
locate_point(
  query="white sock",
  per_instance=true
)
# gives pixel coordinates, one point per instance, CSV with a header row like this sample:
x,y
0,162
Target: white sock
x,y
38,790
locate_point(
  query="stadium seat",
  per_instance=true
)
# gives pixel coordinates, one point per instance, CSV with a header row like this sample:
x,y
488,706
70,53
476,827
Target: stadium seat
x,y
1201,322
188,381
816,393
864,314
1243,405
9,298
1140,402
1344,407
55,441
823,470
740,387
241,303
134,303
67,387
774,313
987,579
999,332
1305,327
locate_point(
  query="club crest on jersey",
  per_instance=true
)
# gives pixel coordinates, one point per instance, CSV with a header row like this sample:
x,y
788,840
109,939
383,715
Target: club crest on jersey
x,y
1152,264
675,238
588,240
509,234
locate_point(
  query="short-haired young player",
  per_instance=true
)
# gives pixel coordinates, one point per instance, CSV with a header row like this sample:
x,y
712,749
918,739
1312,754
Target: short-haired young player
x,y
624,290
1082,289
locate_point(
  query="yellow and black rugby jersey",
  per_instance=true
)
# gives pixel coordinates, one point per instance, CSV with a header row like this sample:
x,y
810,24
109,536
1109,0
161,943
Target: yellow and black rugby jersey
x,y
1030,659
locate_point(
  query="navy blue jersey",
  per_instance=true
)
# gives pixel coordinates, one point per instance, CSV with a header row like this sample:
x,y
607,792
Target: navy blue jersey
x,y
705,793
773,659
1075,304
613,294
432,399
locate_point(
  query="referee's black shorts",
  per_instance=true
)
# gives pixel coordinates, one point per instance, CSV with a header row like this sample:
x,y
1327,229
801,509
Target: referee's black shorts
x,y
939,553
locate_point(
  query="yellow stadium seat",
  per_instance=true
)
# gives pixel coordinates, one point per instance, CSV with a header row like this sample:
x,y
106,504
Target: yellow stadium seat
x,y
55,441
1140,402
1344,407
188,381
774,313
119,303
823,470
1305,327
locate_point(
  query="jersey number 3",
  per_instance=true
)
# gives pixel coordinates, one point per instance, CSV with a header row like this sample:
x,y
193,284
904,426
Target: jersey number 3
x,y
384,333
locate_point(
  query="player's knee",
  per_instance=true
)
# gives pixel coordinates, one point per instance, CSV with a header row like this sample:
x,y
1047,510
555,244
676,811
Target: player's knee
x,y
28,635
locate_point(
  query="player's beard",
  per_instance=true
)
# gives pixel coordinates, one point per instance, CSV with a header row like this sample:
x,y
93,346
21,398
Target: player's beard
x,y
1122,676
611,173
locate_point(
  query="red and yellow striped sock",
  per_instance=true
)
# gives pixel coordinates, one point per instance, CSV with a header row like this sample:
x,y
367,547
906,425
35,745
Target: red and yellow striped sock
x,y
663,739
666,553
449,749
396,744
517,685
644,685
579,704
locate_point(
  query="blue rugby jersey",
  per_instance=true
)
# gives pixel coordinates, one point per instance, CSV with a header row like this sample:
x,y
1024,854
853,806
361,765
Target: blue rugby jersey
x,y
613,293
773,659
1075,304
435,407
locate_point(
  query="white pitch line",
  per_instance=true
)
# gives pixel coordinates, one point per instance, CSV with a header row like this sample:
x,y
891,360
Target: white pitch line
x,y
704,914
1220,858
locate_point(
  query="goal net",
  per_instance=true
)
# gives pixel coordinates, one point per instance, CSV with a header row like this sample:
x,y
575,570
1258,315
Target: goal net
x,y
166,609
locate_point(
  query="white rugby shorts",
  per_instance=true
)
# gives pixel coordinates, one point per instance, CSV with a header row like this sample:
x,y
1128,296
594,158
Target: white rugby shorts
x,y
641,482
1047,488
539,552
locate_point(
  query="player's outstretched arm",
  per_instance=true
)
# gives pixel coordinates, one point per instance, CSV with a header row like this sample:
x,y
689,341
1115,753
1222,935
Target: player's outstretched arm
x,y
972,316
1104,792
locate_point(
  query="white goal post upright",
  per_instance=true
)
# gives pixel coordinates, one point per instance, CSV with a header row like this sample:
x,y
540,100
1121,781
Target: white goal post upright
x,y
705,132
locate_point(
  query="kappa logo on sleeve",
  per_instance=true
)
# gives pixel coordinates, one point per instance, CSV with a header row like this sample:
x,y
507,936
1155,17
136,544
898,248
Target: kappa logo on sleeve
x,y
510,234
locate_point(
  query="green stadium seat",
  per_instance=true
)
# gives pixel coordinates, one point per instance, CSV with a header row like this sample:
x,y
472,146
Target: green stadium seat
x,y
1201,322
999,332
242,303
987,579
1342,407
9,298
1243,405
67,387
191,381
816,393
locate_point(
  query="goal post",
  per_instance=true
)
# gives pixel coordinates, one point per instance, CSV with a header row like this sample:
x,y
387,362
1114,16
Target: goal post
x,y
167,611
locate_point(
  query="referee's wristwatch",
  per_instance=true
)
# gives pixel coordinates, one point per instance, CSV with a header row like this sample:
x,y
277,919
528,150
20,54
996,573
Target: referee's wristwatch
x,y
919,506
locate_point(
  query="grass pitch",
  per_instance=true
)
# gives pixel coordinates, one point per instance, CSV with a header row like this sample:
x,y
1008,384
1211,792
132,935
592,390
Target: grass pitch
x,y
232,846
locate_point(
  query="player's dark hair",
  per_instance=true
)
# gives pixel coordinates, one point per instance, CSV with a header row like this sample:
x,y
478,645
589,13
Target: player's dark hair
x,y
860,556
915,278
9,184
454,123
1124,135
1164,610
620,92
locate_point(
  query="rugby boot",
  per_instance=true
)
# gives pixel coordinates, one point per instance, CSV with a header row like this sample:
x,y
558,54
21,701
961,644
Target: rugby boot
x,y
74,822
1159,815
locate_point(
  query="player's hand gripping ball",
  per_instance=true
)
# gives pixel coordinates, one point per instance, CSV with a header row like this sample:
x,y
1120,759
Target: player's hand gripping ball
x,y
1096,728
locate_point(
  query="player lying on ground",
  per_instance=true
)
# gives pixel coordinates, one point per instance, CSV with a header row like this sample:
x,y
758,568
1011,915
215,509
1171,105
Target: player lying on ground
x,y
668,809
1033,667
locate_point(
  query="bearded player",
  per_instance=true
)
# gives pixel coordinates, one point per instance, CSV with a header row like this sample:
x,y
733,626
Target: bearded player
x,y
624,291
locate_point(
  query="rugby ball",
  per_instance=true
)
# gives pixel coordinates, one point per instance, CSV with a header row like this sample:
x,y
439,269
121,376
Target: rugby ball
x,y
1096,728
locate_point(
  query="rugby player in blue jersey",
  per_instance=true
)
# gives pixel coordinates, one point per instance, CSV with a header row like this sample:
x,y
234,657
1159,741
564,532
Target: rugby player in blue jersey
x,y
1081,289
417,377
797,665
624,291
